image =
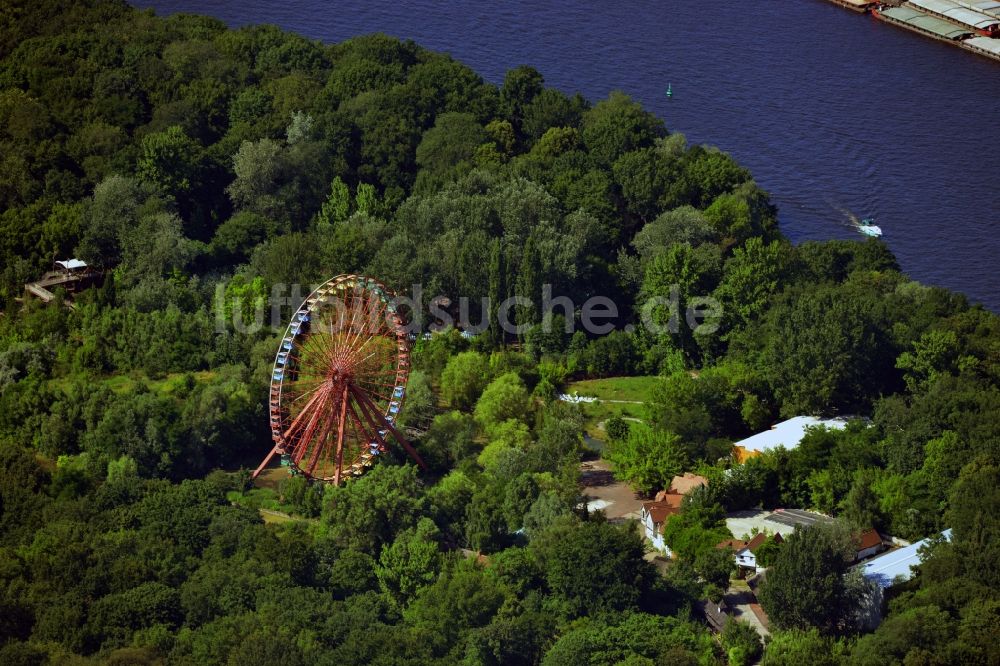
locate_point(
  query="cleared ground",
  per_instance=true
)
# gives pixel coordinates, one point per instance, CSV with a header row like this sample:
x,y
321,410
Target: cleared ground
x,y
603,492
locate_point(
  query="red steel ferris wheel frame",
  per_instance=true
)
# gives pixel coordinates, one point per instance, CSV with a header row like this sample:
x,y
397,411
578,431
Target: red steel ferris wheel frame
x,y
338,382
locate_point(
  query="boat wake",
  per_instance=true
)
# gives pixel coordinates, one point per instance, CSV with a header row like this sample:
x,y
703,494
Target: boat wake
x,y
865,225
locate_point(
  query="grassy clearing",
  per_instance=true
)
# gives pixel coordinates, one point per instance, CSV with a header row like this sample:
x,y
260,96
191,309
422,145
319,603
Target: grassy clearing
x,y
271,517
631,389
166,385
597,412
268,503
632,392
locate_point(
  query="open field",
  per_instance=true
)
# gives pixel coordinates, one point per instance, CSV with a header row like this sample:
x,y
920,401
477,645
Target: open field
x,y
627,389
617,396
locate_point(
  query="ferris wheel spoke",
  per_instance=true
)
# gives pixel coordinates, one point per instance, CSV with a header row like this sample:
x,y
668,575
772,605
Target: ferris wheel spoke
x,y
368,340
376,393
378,321
356,443
380,378
345,331
350,446
321,442
378,420
316,445
366,312
304,384
310,430
342,375
340,439
368,438
322,345
350,341
296,423
363,329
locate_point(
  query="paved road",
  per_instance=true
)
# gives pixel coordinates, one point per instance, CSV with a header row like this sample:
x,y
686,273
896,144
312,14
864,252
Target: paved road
x,y
741,607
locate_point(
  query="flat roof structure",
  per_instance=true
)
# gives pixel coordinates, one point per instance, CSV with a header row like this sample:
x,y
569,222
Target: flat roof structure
x,y
988,7
987,45
957,13
787,433
896,565
923,22
793,517
779,521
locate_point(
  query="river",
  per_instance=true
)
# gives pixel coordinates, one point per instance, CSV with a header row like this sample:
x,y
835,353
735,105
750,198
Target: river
x,y
836,114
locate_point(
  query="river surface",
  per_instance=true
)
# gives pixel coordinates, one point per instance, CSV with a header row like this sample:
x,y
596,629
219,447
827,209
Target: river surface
x,y
835,113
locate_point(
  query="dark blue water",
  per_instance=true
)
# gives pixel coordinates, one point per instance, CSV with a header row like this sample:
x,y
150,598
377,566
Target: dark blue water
x,y
836,114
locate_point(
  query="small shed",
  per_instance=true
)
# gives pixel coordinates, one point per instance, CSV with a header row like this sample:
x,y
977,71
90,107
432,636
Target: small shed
x,y
868,543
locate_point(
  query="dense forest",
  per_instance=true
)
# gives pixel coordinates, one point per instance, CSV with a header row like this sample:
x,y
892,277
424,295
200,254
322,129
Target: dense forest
x,y
201,166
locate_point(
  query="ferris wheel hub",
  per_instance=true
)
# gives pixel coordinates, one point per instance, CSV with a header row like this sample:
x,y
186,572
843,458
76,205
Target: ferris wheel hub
x,y
339,380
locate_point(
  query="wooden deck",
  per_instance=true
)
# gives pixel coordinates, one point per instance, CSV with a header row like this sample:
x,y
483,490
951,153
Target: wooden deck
x,y
71,282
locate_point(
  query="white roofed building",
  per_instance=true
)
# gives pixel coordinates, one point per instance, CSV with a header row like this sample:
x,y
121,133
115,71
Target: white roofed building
x,y
896,565
70,265
787,434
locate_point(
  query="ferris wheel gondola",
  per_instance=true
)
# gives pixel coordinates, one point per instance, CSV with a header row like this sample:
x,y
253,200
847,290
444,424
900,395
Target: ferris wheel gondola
x,y
339,381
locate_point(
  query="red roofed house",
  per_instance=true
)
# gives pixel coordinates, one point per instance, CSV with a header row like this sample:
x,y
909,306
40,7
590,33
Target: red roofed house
x,y
746,557
682,485
868,543
732,544
655,514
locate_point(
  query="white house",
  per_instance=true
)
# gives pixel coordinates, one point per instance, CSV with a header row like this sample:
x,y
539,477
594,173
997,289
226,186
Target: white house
x,y
654,515
746,557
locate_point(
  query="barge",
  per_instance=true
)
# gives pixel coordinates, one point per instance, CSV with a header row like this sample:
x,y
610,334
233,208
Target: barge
x,y
973,25
984,24
983,46
925,24
859,6
964,36
988,7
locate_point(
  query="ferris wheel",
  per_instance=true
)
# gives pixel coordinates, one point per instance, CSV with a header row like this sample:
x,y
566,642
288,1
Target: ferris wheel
x,y
338,382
